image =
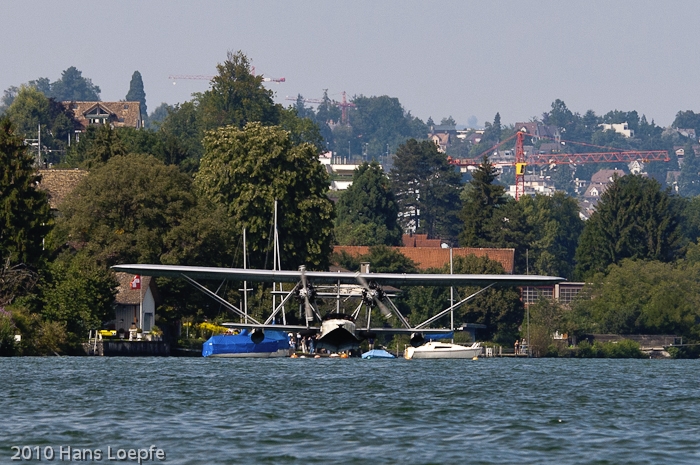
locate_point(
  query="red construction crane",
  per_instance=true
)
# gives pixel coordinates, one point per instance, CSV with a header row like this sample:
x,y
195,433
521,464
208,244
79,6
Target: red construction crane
x,y
344,105
522,160
205,77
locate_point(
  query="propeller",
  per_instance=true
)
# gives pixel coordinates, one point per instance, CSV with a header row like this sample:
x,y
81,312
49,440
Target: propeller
x,y
373,294
304,293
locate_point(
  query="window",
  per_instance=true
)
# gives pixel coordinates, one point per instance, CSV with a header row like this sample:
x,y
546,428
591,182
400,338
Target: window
x,y
532,294
568,294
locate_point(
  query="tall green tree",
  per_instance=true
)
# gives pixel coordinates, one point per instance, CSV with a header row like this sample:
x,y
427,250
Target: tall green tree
x,y
137,93
237,97
689,179
554,228
481,199
367,210
427,190
246,170
635,219
25,218
73,86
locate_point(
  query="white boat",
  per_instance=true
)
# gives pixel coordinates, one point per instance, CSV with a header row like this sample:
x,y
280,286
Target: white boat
x,y
434,349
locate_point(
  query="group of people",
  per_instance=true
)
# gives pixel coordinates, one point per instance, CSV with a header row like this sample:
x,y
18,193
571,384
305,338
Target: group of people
x,y
520,347
304,344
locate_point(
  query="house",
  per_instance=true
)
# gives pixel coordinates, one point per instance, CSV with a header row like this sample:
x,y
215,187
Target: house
x,y
535,184
117,114
620,128
135,305
59,183
442,136
598,185
539,131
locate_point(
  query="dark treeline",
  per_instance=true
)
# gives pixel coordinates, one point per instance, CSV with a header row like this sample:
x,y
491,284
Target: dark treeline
x,y
182,190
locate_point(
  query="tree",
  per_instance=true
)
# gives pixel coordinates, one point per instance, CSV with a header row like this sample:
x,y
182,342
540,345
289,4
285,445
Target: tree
x,y
555,227
73,86
427,190
25,218
687,120
634,219
481,198
78,293
237,97
689,179
96,147
246,170
378,122
31,110
124,209
642,297
367,210
137,94
182,133
158,116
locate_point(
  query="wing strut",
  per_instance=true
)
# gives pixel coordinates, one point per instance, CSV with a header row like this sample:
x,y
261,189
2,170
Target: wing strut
x,y
452,307
219,299
281,305
398,314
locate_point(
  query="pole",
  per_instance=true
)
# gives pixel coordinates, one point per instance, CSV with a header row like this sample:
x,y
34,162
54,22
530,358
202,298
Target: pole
x,y
245,283
452,300
274,258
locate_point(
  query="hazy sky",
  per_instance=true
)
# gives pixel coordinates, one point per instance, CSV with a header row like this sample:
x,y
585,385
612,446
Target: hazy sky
x,y
458,58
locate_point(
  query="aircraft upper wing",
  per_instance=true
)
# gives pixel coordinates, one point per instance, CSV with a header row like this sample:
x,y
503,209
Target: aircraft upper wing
x,y
329,277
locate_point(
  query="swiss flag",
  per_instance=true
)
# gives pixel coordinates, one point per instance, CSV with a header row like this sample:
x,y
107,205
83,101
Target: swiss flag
x,y
136,282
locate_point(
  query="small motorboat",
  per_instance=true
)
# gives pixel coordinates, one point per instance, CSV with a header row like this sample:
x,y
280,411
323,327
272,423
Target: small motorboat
x,y
435,349
377,353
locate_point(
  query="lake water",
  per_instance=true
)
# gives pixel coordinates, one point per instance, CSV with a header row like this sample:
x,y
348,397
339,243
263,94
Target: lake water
x,y
232,411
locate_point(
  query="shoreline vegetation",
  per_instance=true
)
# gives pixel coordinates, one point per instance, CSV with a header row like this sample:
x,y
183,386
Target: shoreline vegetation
x,y
182,187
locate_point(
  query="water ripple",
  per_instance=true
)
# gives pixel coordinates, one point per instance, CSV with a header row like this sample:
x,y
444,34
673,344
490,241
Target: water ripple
x,y
203,411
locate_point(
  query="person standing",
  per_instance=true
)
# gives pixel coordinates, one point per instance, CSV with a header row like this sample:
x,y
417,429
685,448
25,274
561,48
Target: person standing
x,y
517,347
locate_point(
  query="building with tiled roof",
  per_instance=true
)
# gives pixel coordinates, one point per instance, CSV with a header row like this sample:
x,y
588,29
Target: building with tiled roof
x,y
118,114
437,257
59,183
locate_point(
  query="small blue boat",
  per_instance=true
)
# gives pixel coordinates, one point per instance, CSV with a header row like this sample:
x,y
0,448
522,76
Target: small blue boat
x,y
377,353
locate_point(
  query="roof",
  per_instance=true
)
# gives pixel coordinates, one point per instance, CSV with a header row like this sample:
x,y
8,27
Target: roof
x,y
420,240
122,114
125,294
59,183
436,257
605,176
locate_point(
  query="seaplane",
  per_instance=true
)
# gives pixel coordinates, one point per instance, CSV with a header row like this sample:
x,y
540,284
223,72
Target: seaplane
x,y
337,331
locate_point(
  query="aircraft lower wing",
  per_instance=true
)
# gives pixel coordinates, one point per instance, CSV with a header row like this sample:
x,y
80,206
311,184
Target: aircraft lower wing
x,y
328,277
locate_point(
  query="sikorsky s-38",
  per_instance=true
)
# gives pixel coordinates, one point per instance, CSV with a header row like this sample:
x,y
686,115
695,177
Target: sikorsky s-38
x,y
338,331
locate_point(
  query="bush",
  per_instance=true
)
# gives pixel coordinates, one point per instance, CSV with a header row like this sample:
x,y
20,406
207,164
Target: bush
x,y
623,349
7,333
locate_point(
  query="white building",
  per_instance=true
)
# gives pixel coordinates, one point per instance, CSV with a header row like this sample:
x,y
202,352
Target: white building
x,y
620,128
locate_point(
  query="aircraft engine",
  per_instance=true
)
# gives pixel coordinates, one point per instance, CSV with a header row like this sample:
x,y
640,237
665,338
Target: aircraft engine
x,y
417,339
257,336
